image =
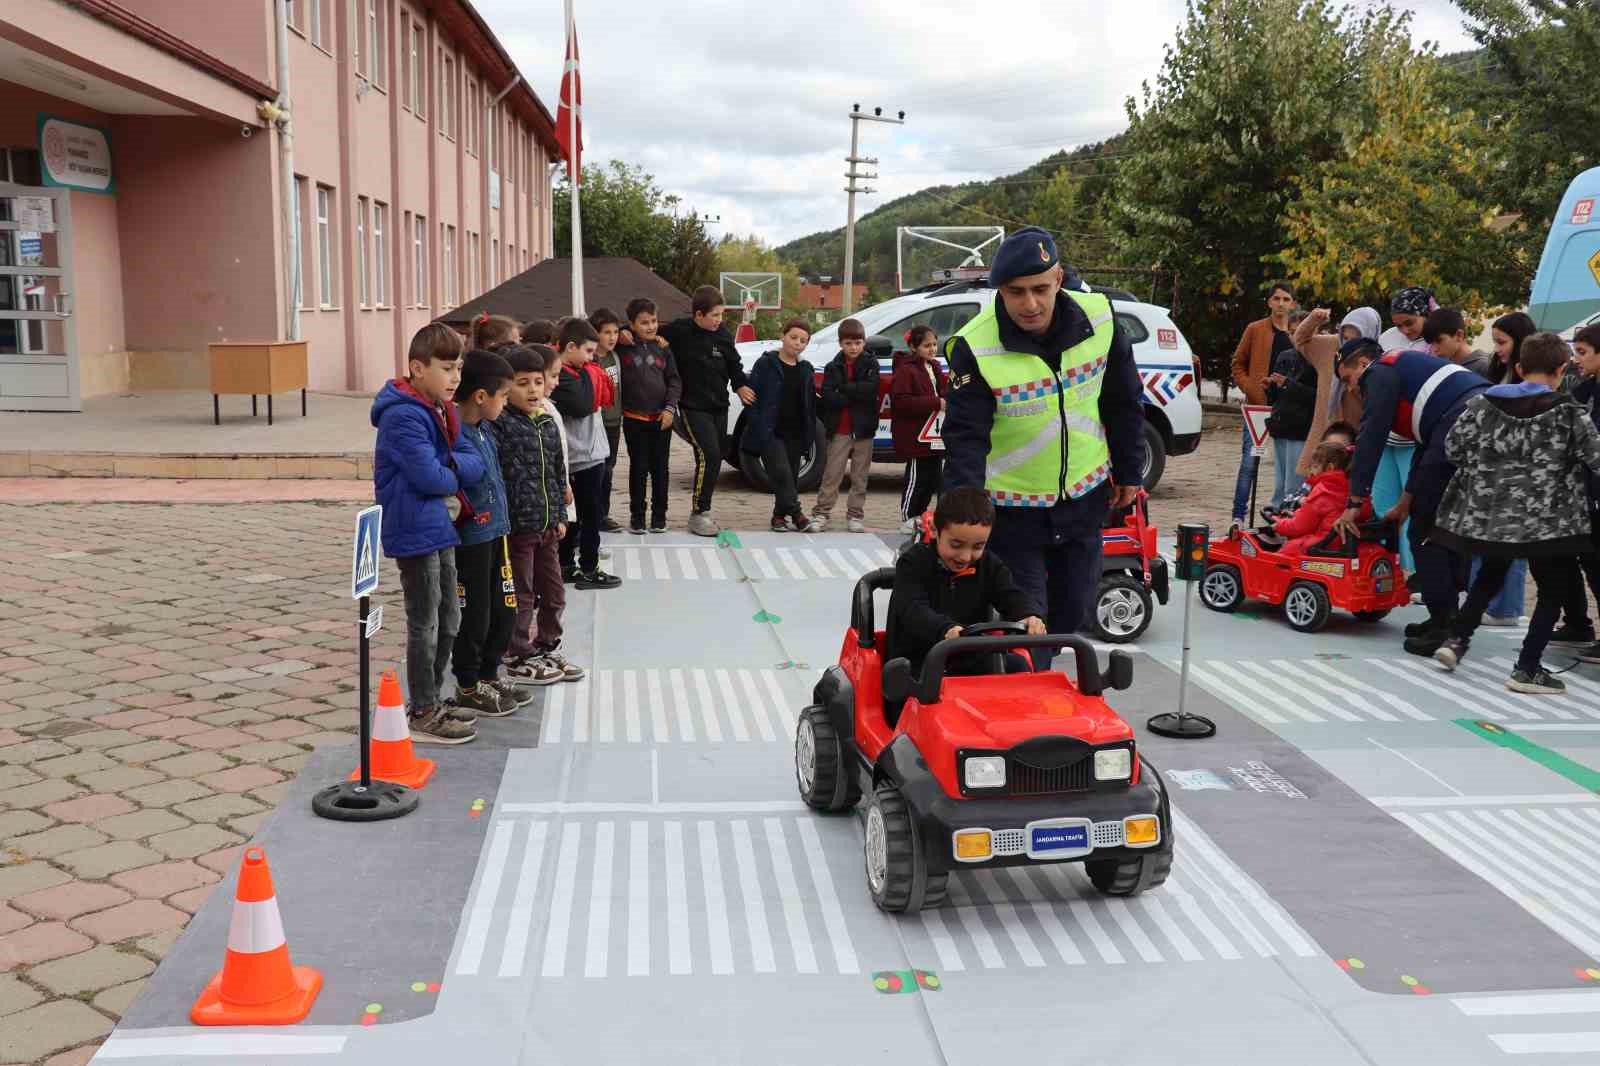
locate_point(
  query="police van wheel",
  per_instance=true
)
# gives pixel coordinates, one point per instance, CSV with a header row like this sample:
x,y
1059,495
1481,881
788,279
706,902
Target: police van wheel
x,y
1306,606
1222,588
1122,610
1155,457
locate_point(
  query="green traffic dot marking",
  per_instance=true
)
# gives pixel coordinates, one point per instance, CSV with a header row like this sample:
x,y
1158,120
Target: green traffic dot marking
x,y
1409,981
932,981
765,616
419,986
881,984
1576,772
729,539
374,1008
1356,964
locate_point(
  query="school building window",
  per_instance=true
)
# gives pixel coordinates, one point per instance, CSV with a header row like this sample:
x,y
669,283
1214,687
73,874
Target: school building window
x,y
469,99
405,60
314,21
418,89
324,246
380,255
494,262
474,265
294,13
420,239
447,97
303,223
363,273
448,266
375,13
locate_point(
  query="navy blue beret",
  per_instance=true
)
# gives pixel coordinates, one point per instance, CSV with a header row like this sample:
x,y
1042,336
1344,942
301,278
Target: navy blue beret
x,y
1026,252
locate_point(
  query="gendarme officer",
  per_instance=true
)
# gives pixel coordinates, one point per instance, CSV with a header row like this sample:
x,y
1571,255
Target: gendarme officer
x,y
1045,414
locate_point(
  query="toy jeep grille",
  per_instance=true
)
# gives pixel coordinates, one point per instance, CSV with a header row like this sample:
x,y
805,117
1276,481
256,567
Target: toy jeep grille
x,y
1108,834
1026,779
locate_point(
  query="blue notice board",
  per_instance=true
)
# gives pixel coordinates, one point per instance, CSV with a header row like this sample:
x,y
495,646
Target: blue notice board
x,y
364,559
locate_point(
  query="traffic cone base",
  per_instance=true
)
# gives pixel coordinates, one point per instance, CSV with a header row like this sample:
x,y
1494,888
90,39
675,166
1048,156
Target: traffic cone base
x,y
391,757
212,1009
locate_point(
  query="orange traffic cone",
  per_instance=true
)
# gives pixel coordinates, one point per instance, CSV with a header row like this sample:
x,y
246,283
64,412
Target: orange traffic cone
x,y
392,758
257,984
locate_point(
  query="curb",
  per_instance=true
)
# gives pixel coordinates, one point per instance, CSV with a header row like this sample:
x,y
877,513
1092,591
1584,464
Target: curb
x,y
336,466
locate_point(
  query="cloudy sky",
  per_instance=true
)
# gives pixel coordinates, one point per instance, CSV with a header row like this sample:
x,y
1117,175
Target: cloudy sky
x,y
739,107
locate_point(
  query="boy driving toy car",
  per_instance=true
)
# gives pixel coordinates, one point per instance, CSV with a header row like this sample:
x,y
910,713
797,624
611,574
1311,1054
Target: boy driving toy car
x,y
951,582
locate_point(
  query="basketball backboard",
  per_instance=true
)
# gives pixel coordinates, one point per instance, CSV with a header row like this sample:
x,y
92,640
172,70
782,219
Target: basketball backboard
x,y
765,287
926,255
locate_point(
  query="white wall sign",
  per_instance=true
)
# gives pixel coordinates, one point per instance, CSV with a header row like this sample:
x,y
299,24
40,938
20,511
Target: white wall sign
x,y
75,156
36,213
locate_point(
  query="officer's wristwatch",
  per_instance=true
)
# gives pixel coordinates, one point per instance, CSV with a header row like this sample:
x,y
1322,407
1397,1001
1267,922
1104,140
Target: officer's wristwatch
x,y
1355,503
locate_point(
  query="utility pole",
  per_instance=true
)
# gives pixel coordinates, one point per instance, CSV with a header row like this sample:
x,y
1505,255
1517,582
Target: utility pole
x,y
852,176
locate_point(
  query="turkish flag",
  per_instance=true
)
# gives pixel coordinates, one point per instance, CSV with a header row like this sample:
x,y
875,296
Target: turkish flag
x,y
569,114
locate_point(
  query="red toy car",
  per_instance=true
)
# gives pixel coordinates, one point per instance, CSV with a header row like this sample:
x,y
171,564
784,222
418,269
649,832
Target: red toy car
x,y
1131,568
987,771
1359,576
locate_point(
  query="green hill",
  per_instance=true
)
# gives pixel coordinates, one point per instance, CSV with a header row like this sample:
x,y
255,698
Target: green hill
x,y
1061,192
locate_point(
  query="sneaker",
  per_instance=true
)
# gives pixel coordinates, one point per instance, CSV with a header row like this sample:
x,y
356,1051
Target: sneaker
x,y
1571,636
818,524
458,711
701,524
1591,654
1426,644
1451,652
659,527
597,579
780,524
1424,627
1502,622
856,525
484,699
569,574
908,526
1539,682
1235,527
569,672
637,528
435,726
512,698
611,525
532,670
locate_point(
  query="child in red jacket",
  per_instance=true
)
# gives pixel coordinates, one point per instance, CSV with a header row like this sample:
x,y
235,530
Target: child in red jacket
x,y
916,395
1330,490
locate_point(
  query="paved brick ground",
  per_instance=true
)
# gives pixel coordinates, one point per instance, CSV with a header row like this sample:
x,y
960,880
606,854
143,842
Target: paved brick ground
x,y
164,669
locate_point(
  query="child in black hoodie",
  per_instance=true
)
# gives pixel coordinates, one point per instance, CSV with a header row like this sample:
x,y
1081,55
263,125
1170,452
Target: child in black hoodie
x,y
942,586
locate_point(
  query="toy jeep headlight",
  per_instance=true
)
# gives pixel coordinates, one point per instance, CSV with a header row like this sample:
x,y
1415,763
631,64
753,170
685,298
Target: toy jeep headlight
x,y
984,771
1113,764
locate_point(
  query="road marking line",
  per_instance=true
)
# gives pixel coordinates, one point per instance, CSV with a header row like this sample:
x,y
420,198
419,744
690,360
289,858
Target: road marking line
x,y
844,956
630,705
1473,697
630,566
846,567
494,868
219,1045
989,883
716,900
639,899
604,706
1229,907
786,719
658,708
730,703
755,907
1339,688
814,561
555,941
1200,919
1084,915
794,917
1358,685
659,568
1546,1043
1577,851
1045,914
1542,869
1474,801
1414,763
680,704
1231,876
943,945
1545,1003
758,710
988,954
554,710
1482,670
1118,909
686,564
1559,727
1230,695
713,562
580,711
514,952
764,564
1575,682
1157,911
679,961
1511,882
599,945
786,557
708,711
1239,679
1284,682
868,563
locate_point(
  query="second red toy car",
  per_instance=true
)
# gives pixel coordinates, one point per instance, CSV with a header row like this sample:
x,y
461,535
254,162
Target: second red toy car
x,y
1360,576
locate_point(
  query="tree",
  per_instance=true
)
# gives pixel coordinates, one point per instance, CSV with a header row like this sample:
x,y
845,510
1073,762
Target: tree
x,y
691,257
624,213
1252,94
1532,83
1404,204
749,255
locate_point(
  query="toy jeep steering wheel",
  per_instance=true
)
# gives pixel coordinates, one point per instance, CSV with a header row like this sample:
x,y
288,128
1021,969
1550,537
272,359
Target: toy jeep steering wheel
x,y
998,625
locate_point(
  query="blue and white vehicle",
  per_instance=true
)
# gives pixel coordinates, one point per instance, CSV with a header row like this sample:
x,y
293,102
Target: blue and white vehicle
x,y
1166,367
1566,290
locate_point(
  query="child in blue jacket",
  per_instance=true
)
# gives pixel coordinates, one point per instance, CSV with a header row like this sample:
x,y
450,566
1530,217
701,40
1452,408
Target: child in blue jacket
x,y
420,464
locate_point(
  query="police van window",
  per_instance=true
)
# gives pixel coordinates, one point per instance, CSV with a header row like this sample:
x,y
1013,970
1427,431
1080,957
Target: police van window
x,y
1132,328
945,320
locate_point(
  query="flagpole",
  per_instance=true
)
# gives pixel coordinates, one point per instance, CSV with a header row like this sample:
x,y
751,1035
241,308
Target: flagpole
x,y
574,170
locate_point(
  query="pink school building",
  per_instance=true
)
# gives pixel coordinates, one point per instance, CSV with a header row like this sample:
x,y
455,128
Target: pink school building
x,y
152,198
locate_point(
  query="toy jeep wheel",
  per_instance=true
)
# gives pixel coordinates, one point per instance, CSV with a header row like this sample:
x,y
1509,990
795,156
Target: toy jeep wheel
x,y
1129,877
1222,588
1122,610
1306,606
895,874
819,763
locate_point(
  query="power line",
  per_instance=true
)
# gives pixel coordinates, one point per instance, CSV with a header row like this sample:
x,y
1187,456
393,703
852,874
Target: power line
x,y
1011,221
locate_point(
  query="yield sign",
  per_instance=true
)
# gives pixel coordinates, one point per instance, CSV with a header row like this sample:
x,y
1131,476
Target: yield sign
x,y
1255,420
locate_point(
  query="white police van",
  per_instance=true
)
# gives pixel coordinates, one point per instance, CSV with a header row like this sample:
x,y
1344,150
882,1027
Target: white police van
x,y
1166,367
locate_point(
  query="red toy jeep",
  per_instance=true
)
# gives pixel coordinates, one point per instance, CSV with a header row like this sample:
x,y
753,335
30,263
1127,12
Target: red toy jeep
x,y
1131,569
986,771
1359,576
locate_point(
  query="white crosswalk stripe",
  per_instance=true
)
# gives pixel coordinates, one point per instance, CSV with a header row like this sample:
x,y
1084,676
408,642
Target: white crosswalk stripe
x,y
695,563
1582,692
673,706
1541,858
1543,1022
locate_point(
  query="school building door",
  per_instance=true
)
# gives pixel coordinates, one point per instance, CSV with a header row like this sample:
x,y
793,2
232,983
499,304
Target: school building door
x,y
38,334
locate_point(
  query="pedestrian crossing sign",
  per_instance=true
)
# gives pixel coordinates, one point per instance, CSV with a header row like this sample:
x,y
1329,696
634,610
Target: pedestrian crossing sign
x,y
364,559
